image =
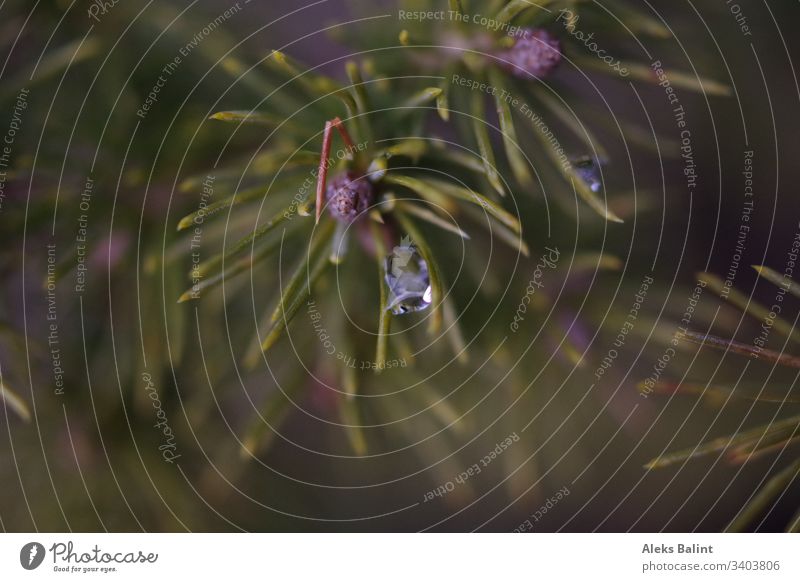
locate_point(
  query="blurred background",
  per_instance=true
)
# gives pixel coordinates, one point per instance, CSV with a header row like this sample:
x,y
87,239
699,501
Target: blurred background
x,y
126,410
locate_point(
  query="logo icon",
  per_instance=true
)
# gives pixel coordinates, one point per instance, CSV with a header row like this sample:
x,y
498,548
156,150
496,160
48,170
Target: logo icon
x,y
31,555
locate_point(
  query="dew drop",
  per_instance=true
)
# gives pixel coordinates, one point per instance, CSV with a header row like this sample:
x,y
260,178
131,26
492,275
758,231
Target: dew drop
x,y
588,168
408,280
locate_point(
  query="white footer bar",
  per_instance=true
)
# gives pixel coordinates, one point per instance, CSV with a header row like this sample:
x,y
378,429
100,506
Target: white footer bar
x,y
401,557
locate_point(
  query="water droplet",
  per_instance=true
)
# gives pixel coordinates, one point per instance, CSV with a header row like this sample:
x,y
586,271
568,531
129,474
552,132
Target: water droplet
x,y
408,280
588,168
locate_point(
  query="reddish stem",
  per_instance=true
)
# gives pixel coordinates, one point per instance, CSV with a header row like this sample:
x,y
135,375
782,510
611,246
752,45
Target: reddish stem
x,y
327,140
322,176
348,141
